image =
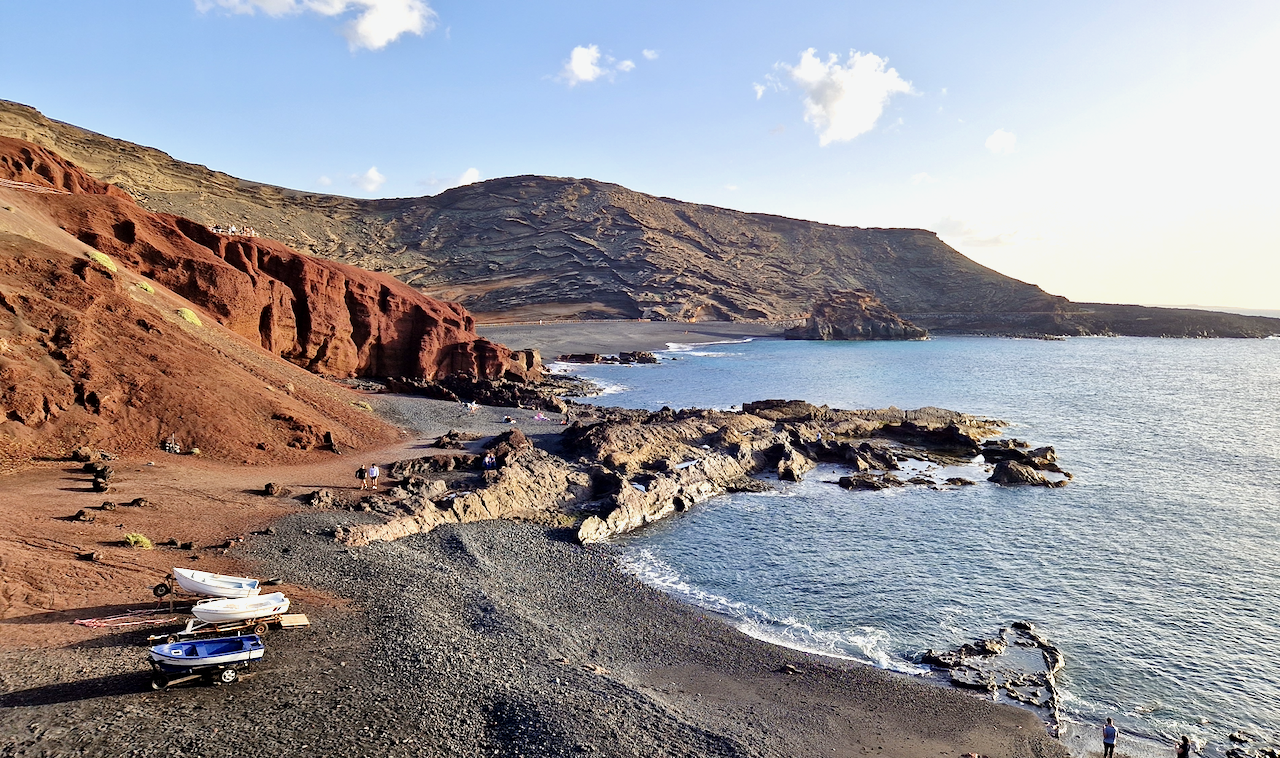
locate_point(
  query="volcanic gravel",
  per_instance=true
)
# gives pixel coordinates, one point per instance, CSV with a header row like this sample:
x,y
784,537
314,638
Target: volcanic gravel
x,y
489,639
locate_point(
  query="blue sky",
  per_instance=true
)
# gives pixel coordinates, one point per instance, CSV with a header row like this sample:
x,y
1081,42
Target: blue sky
x,y
1118,152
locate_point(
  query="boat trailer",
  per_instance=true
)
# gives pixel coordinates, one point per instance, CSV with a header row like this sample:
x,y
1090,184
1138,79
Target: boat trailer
x,y
164,676
197,628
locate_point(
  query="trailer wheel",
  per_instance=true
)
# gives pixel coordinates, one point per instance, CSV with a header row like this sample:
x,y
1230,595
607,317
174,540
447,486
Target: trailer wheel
x,y
227,676
161,589
260,629
159,683
171,639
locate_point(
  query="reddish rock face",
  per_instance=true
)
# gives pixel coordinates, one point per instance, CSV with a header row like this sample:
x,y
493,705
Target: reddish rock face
x,y
328,317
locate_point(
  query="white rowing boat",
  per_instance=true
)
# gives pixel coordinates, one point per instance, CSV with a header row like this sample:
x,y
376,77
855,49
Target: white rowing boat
x,y
215,585
240,608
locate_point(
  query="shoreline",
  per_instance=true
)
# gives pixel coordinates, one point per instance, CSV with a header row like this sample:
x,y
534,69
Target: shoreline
x,y
611,337
468,640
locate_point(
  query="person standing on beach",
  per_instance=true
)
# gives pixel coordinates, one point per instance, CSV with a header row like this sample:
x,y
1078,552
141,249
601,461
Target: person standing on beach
x,y
1109,733
373,475
1184,747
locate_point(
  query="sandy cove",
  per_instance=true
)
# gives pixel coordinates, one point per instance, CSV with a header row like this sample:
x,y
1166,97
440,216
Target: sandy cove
x,y
493,638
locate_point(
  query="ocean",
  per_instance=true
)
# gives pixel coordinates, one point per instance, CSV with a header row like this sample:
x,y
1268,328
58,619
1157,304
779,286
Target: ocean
x,y
1156,571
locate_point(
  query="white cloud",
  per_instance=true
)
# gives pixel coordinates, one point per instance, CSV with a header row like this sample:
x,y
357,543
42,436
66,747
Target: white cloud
x,y
963,235
844,101
324,181
731,187
587,64
583,65
436,185
651,55
377,23
924,178
370,180
1001,142
771,82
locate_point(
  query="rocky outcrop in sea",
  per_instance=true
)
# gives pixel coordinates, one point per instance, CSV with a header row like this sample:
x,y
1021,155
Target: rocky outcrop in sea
x,y
854,315
615,470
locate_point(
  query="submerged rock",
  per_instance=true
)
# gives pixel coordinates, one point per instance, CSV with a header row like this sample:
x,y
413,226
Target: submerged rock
x,y
1019,663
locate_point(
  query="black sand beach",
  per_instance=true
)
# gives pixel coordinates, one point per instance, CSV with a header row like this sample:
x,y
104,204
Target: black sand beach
x,y
492,639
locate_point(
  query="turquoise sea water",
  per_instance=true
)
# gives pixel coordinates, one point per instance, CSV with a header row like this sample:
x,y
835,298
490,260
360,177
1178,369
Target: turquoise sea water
x,y
1157,571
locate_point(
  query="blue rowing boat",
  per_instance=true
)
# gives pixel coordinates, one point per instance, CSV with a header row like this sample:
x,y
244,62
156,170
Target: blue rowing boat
x,y
219,651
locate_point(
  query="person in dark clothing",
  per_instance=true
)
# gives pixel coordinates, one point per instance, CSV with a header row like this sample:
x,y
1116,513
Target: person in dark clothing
x,y
1109,734
1184,747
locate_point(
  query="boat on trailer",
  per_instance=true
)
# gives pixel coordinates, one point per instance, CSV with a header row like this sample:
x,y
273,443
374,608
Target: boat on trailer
x,y
240,608
214,659
210,652
215,585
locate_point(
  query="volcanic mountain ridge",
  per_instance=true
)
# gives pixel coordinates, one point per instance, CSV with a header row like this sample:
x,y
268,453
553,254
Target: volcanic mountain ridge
x,y
535,247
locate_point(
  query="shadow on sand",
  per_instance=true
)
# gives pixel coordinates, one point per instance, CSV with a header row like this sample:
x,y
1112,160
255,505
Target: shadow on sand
x,y
85,689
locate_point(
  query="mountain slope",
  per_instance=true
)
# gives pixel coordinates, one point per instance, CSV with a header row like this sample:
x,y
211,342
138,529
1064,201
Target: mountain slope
x,y
91,356
530,247
120,327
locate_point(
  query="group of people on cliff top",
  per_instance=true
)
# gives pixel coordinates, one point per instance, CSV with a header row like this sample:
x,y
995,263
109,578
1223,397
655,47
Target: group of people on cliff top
x,y
243,231
1110,733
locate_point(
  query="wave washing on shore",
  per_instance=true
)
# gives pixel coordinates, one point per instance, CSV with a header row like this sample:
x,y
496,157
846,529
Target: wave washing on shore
x,y
1157,571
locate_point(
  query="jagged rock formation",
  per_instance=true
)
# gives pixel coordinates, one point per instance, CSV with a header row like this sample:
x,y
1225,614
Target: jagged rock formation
x,y
625,469
534,247
854,315
327,317
1005,665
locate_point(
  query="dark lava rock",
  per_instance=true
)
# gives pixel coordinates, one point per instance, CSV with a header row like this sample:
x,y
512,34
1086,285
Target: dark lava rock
x,y
960,481
854,315
1014,473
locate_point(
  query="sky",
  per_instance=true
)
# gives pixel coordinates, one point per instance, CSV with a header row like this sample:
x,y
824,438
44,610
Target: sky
x,y
1106,151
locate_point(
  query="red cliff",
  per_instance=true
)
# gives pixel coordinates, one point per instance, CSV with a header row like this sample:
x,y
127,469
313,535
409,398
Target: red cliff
x,y
328,317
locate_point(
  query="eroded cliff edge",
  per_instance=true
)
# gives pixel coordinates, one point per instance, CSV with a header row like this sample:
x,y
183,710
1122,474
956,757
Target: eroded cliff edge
x,y
120,327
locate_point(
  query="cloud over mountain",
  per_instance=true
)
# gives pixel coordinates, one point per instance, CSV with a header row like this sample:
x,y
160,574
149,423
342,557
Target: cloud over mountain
x,y
377,23
843,101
